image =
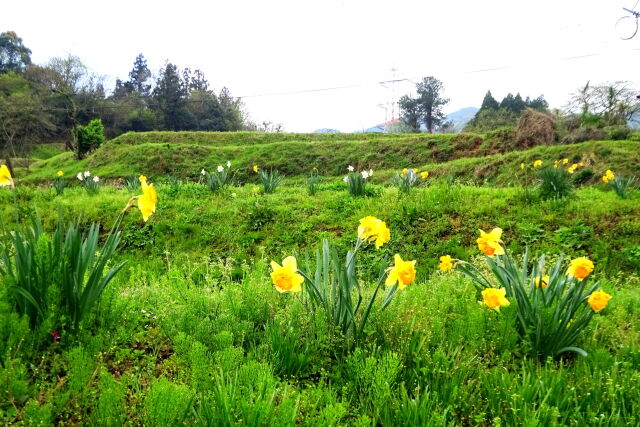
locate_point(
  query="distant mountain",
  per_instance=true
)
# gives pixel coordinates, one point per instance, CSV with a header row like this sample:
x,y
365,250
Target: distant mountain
x,y
326,130
461,117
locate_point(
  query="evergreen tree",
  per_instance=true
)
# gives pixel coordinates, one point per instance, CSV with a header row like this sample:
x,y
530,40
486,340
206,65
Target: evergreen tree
x,y
170,97
139,76
489,102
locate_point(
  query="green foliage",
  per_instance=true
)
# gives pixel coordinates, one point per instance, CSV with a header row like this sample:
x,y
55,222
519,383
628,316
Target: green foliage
x,y
219,179
14,55
555,183
62,272
313,182
59,184
618,133
336,294
550,317
406,181
270,180
357,183
167,404
89,137
624,186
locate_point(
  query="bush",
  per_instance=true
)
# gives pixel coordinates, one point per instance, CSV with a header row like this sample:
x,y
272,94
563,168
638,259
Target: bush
x,y
618,133
535,128
89,137
584,134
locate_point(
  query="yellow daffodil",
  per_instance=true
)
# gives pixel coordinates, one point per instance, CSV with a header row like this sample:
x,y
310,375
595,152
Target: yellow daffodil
x,y
371,228
285,277
555,164
489,243
581,164
521,165
60,173
599,300
544,279
446,263
255,168
5,176
608,176
572,168
148,199
580,268
537,163
424,175
495,298
565,161
402,273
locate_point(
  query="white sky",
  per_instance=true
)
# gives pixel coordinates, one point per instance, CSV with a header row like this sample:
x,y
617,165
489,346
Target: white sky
x,y
259,47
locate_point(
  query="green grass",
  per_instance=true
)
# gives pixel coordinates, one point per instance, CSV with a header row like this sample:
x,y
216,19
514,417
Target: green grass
x,y
193,331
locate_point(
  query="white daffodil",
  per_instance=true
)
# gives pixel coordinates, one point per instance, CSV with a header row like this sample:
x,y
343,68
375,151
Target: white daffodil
x,y
228,163
203,172
87,174
80,176
370,172
220,169
96,179
365,174
346,179
350,168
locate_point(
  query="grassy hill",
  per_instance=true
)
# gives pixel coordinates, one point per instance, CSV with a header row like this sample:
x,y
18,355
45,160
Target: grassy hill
x,y
184,154
192,331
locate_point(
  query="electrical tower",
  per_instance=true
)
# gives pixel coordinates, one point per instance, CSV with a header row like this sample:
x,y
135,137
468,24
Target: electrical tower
x,y
392,112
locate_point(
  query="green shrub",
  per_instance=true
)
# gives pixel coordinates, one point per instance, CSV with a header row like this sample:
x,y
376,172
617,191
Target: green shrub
x,y
618,133
89,137
583,134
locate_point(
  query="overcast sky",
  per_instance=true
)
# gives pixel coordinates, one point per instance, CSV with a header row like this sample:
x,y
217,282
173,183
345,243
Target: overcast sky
x,y
275,47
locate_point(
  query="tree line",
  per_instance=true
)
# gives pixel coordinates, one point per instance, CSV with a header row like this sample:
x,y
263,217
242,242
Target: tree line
x,y
594,111
54,101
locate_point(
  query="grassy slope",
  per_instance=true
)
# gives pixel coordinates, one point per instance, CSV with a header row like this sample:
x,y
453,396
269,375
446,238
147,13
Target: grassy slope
x,y
466,156
429,222
188,324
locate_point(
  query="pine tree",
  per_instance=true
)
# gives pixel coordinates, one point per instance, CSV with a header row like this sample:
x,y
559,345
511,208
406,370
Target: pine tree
x,y
489,102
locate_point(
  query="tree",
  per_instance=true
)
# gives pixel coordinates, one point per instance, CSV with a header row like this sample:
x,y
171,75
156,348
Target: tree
x,y
489,102
431,102
410,112
206,111
231,110
426,108
23,118
170,95
138,77
14,56
606,104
